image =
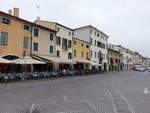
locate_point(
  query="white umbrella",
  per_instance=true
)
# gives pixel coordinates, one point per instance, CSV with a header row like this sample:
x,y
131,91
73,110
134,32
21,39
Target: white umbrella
x,y
4,61
27,60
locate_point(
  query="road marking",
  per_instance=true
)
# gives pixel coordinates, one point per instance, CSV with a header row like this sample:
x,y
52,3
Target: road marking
x,y
146,92
65,98
73,111
32,108
91,105
121,95
114,106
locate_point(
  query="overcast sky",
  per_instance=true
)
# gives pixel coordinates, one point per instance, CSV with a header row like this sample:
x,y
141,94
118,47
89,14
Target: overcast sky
x,y
127,22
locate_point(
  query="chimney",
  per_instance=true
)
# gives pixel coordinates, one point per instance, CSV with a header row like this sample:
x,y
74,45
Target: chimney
x,y
16,12
10,12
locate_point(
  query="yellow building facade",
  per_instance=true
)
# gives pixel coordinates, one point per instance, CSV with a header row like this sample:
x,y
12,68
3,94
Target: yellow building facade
x,y
81,54
15,36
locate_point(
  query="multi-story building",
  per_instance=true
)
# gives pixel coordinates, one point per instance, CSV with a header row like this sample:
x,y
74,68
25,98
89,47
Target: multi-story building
x,y
137,59
127,58
145,62
16,39
15,36
81,54
63,49
44,45
98,46
115,58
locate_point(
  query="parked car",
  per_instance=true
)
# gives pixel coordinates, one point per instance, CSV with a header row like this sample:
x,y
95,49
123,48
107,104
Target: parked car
x,y
140,69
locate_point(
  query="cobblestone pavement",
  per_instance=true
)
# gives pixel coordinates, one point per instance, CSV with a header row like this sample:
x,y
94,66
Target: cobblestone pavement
x,y
118,92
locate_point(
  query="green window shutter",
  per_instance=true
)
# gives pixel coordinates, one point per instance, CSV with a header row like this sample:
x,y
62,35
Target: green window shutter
x,y
51,36
51,49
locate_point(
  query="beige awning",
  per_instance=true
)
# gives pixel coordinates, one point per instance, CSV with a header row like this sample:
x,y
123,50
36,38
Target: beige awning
x,y
54,59
81,61
4,61
95,64
27,60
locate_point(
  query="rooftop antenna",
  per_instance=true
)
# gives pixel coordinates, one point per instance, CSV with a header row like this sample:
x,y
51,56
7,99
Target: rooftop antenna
x,y
38,10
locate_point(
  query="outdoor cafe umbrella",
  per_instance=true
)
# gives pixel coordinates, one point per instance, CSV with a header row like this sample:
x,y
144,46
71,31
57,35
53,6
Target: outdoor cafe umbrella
x,y
27,60
4,61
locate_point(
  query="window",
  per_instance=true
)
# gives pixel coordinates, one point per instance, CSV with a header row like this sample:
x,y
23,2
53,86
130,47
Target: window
x,y
35,46
87,55
97,35
26,27
82,44
51,36
95,42
87,46
69,55
26,43
74,42
91,31
64,43
36,32
98,56
91,54
91,41
69,44
82,54
58,40
4,21
95,54
99,44
69,33
58,53
75,53
4,39
58,29
51,49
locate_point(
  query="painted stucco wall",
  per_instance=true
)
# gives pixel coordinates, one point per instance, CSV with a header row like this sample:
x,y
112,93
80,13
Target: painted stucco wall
x,y
16,35
44,42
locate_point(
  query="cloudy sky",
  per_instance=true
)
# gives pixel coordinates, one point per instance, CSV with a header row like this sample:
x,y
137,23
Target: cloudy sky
x,y
127,22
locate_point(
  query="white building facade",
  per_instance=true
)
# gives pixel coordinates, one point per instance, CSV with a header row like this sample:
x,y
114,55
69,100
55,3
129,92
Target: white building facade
x,y
128,59
98,47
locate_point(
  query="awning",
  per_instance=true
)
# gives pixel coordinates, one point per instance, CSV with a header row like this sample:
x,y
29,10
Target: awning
x,y
81,61
95,64
54,59
4,61
27,60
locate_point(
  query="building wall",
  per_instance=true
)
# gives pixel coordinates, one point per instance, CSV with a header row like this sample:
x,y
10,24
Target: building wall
x,y
44,42
137,59
16,35
79,49
63,32
114,60
90,34
82,34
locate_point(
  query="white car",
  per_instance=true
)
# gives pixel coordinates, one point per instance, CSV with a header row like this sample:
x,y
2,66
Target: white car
x,y
141,69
